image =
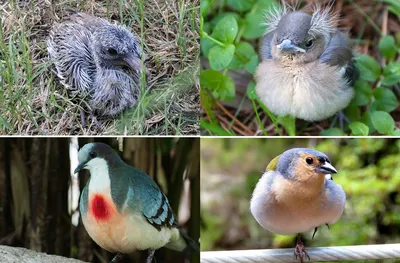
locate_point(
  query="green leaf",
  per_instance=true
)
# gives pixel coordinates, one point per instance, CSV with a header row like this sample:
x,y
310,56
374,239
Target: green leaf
x,y
395,133
240,5
222,15
204,6
289,123
214,129
220,57
226,30
358,129
243,54
391,74
369,67
333,132
363,93
251,66
382,122
387,47
366,119
205,45
254,26
385,100
251,92
221,86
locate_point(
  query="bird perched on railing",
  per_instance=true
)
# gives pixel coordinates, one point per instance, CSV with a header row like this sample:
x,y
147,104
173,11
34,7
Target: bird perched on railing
x,y
123,209
297,194
307,69
97,61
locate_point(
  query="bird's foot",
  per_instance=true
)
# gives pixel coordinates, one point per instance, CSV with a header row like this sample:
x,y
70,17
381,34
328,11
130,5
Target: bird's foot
x,y
151,255
340,118
83,117
94,120
117,258
300,250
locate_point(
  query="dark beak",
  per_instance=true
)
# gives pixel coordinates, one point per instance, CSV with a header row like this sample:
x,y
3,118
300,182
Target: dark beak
x,y
80,167
327,168
288,47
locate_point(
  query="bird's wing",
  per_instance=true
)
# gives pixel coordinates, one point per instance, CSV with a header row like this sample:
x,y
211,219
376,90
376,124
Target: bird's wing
x,y
338,51
265,46
144,196
68,47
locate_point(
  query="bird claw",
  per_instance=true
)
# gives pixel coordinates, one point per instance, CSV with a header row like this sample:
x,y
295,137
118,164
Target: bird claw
x,y
151,255
300,251
341,118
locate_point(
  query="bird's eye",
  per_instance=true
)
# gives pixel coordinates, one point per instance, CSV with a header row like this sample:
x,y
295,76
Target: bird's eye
x,y
93,155
112,52
309,43
309,160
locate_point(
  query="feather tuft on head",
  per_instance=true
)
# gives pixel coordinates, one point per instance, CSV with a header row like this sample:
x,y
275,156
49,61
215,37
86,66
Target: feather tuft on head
x,y
323,21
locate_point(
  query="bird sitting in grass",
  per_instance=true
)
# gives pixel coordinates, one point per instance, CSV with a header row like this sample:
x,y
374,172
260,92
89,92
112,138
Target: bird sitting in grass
x,y
307,68
98,62
123,209
297,194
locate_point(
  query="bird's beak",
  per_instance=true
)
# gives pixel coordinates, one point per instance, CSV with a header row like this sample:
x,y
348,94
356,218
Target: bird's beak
x,y
80,167
288,47
133,62
327,168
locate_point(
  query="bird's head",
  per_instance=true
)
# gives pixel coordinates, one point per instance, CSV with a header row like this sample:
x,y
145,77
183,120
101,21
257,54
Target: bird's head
x,y
302,164
300,37
94,155
114,46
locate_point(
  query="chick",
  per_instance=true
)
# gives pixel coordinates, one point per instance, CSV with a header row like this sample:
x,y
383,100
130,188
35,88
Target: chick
x,y
97,61
307,69
296,194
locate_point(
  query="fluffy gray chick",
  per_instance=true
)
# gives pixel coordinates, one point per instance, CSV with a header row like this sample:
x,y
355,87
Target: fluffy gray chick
x,y
97,61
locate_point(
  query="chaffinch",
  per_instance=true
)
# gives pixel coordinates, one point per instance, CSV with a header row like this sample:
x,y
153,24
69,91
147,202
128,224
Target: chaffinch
x,y
297,194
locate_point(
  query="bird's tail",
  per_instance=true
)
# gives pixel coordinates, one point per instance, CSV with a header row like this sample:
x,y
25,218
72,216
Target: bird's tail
x,y
191,245
183,243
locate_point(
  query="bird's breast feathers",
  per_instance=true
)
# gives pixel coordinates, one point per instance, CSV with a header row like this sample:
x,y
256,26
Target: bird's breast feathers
x,y
119,231
285,208
311,91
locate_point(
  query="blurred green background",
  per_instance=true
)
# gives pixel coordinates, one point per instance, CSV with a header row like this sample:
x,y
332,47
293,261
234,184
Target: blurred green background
x,y
369,172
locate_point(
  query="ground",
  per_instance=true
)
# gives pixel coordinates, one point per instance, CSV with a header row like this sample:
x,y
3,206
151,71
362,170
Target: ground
x,y
33,102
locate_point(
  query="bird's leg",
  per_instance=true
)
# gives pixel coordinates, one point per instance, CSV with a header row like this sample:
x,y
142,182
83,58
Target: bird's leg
x,y
151,255
300,250
94,119
341,118
327,225
83,117
315,231
117,258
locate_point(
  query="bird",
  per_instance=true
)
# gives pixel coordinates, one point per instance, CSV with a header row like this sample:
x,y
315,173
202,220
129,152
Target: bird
x,y
307,69
97,61
297,194
123,209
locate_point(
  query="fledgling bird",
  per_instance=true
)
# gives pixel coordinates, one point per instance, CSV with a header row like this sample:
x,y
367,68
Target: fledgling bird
x,y
296,194
97,61
307,69
123,209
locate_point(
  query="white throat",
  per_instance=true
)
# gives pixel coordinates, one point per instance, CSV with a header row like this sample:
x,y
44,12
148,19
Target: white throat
x,y
100,179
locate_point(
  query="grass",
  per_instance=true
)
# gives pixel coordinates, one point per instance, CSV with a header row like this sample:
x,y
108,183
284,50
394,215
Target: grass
x,y
33,102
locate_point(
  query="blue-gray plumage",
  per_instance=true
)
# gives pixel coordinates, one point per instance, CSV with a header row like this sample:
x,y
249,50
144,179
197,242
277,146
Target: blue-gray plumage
x,y
98,62
296,194
307,67
123,209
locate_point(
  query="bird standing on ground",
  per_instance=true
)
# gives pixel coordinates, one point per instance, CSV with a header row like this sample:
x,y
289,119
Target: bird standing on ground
x,y
296,195
307,69
97,61
123,209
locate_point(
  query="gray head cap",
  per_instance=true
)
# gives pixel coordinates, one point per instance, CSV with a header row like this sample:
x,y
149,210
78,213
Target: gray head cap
x,y
293,26
289,159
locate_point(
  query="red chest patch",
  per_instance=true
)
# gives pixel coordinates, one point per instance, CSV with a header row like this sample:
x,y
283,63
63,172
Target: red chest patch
x,y
99,207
